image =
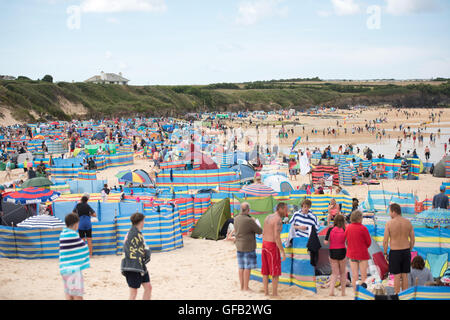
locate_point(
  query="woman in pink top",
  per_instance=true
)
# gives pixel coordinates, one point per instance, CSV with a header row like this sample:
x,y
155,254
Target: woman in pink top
x,y
336,239
358,243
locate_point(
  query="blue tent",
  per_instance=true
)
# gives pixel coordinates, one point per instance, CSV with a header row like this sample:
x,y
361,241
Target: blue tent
x,y
246,172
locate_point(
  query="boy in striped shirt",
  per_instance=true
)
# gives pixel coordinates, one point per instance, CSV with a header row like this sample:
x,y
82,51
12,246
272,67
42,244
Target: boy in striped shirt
x,y
73,258
303,220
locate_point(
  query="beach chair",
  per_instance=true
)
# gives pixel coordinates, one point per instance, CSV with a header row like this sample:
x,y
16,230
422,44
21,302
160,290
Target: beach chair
x,y
329,183
437,263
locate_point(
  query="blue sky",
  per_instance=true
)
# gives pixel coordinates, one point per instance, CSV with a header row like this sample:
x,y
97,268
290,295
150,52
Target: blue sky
x,y
203,41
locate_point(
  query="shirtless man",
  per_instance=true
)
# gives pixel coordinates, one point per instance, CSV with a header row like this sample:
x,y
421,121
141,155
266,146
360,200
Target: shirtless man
x,y
399,235
272,247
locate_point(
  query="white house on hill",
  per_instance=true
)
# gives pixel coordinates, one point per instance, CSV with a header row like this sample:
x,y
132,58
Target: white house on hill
x,y
108,78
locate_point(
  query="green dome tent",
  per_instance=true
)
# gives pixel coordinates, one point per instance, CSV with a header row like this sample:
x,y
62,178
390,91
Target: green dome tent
x,y
212,221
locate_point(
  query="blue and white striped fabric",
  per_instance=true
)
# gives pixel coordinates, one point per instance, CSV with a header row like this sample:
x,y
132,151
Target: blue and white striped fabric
x,y
345,175
73,253
300,219
42,222
227,160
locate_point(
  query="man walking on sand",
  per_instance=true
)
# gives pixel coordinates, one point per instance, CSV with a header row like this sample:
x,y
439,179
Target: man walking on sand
x,y
441,199
399,235
245,228
272,247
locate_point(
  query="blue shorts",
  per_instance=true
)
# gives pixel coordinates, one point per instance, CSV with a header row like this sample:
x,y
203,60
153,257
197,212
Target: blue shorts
x,y
246,260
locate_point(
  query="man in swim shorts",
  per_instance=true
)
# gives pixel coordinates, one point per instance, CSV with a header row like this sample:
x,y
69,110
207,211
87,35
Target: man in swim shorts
x,y
272,253
399,235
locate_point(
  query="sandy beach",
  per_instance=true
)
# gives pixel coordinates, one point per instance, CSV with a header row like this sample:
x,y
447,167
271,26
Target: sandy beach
x,y
205,269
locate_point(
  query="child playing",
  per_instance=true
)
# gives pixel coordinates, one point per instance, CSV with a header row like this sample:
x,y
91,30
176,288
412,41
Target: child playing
x,y
133,265
73,258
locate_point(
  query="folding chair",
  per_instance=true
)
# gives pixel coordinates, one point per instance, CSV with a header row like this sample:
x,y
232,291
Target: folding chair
x,y
329,183
437,263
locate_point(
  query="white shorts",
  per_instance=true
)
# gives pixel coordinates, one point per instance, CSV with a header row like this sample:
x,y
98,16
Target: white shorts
x,y
74,284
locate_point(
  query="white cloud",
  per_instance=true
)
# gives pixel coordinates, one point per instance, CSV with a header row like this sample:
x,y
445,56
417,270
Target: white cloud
x,y
345,7
102,6
401,7
251,12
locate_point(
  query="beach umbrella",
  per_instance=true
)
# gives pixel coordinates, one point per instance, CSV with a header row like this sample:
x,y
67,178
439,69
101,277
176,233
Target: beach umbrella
x,y
131,176
37,182
259,190
434,217
31,195
145,176
42,222
99,135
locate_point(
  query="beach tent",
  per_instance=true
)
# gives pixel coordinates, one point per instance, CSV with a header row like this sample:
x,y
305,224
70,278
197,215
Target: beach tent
x,y
13,213
24,156
260,208
440,168
212,221
201,161
245,171
278,183
37,182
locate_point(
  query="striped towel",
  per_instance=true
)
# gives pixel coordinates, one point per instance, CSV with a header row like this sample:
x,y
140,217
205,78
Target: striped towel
x,y
73,252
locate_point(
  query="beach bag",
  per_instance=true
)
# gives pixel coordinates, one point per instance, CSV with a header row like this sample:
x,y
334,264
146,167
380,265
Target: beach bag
x,y
419,207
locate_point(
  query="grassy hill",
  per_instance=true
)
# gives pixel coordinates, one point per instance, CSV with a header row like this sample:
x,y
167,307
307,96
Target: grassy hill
x,y
30,100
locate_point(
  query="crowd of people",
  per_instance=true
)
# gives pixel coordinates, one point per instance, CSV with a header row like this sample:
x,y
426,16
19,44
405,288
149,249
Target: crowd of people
x,y
347,240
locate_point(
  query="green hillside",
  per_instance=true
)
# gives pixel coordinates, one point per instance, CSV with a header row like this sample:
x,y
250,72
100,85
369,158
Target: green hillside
x,y
39,100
